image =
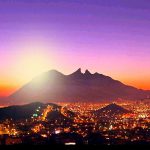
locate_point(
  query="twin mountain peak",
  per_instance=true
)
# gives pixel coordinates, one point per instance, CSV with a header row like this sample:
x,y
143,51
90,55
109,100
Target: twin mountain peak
x,y
77,74
78,86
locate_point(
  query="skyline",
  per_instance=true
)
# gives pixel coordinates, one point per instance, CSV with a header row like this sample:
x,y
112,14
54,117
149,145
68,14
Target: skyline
x,y
109,38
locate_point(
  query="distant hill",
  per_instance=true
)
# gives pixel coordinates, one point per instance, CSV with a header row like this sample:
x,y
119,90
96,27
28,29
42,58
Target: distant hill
x,y
55,86
111,110
56,114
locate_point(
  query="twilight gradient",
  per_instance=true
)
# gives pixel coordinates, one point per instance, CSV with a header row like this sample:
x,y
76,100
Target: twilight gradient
x,y
107,36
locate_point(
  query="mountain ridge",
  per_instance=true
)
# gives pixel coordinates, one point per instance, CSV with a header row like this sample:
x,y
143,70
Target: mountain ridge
x,y
77,86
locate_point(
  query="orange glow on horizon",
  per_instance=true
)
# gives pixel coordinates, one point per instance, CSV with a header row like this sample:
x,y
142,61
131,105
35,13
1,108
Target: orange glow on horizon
x,y
6,90
140,84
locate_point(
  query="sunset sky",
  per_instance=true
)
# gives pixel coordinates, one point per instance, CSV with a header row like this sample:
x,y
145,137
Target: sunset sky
x,y
111,37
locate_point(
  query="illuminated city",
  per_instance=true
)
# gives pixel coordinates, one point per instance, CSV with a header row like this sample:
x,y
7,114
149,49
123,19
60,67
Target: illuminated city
x,y
76,122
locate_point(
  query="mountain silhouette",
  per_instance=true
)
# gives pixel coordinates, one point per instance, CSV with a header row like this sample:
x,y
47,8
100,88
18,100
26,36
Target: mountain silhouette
x,y
55,86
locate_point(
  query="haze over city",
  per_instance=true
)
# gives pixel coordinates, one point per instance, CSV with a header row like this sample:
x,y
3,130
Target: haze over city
x,y
109,37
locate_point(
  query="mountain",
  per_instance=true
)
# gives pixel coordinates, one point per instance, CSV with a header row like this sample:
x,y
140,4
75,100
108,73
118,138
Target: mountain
x,y
55,86
111,110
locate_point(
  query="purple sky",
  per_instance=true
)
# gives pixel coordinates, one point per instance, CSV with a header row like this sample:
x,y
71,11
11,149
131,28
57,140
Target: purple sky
x,y
107,36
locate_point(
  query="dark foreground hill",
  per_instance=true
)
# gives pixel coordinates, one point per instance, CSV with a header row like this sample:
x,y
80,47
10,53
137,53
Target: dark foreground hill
x,y
21,112
78,86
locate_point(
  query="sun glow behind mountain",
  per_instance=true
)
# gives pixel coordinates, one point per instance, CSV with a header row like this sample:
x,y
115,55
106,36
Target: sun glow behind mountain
x,y
30,60
39,36
31,63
